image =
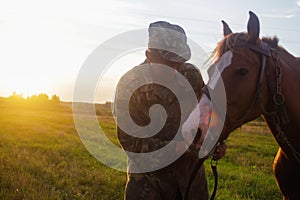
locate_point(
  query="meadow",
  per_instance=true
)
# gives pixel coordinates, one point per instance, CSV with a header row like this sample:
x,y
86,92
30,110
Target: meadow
x,y
42,157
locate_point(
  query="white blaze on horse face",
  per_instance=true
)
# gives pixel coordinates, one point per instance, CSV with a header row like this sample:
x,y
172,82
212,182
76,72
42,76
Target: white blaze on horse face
x,y
223,62
199,118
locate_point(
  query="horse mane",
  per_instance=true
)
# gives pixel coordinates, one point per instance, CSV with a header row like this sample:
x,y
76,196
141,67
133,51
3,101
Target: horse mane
x,y
273,43
229,41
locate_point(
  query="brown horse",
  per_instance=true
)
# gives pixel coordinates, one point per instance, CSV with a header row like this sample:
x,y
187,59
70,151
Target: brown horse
x,y
261,78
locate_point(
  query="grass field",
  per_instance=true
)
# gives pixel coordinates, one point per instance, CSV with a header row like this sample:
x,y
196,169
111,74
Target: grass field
x,y
42,157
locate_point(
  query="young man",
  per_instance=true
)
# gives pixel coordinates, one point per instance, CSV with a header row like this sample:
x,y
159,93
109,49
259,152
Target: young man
x,y
169,182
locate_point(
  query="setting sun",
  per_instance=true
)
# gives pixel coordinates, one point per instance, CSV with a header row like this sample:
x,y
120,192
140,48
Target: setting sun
x,y
27,86
44,44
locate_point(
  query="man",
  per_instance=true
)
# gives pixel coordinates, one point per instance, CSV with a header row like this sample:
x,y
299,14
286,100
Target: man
x,y
167,46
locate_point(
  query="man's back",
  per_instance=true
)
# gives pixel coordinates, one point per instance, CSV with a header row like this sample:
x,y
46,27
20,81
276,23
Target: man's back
x,y
140,91
150,94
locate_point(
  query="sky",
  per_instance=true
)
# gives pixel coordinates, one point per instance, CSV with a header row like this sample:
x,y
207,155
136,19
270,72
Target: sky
x,y
44,44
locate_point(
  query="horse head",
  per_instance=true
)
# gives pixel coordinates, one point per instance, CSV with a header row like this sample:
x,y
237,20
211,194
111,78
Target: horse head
x,y
237,70
254,76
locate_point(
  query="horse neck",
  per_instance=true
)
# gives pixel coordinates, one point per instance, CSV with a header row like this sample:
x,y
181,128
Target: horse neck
x,y
289,82
290,85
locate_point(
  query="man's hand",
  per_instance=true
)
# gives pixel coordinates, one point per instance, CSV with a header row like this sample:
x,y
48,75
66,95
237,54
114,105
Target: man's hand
x,y
220,151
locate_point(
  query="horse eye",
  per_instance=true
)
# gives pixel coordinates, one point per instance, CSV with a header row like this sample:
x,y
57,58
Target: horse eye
x,y
242,71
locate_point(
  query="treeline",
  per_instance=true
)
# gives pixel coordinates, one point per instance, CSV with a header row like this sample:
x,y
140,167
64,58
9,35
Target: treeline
x,y
44,102
41,100
42,97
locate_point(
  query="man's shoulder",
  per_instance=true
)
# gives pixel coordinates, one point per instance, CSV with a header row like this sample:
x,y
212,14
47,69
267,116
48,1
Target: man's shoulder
x,y
190,71
192,74
134,74
189,67
143,65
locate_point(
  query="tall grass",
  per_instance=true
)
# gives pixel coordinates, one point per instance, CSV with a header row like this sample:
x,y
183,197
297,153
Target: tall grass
x,y
42,157
246,171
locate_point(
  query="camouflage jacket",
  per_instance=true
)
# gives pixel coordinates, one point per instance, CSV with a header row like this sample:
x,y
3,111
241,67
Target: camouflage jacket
x,y
146,96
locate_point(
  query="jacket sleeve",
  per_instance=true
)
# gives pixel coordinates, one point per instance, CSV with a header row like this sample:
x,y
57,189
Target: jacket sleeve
x,y
139,115
194,77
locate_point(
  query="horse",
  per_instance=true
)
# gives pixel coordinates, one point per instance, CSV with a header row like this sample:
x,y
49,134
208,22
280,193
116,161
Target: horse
x,y
259,77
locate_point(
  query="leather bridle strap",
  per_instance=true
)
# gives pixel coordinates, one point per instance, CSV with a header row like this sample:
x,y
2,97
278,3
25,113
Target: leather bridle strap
x,y
206,92
265,52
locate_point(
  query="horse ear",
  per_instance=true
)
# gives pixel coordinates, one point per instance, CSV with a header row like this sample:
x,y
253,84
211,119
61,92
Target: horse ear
x,y
226,29
253,28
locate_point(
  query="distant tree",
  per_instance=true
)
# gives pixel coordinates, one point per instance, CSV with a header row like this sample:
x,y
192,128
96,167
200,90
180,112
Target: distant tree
x,y
15,95
16,99
55,98
43,97
40,99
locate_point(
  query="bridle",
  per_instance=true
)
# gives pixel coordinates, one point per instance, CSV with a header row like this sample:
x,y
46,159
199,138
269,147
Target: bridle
x,y
278,116
265,52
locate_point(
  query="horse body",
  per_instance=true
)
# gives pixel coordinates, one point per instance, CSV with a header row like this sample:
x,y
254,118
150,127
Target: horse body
x,y
255,75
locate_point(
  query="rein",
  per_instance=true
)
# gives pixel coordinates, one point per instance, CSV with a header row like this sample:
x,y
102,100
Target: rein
x,y
200,162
